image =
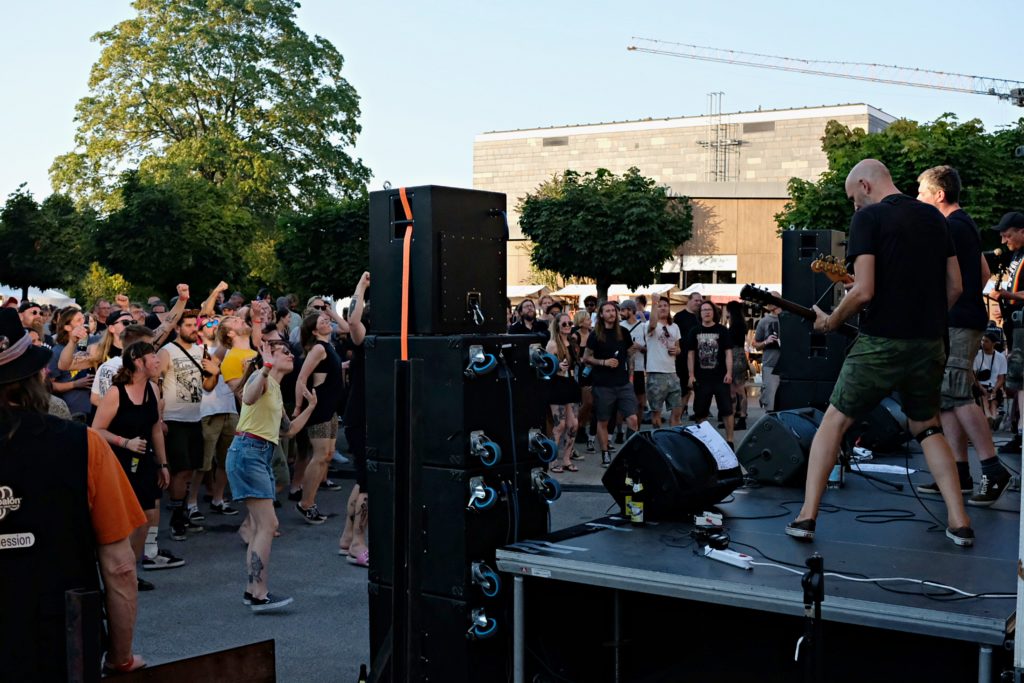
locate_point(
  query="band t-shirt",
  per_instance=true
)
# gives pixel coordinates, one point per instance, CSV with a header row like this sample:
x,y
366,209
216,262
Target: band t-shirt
x,y
911,242
615,345
709,345
969,310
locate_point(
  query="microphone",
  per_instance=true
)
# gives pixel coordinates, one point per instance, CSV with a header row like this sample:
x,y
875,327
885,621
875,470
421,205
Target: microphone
x,y
995,252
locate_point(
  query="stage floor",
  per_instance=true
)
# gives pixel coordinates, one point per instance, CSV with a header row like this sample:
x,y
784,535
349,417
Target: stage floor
x,y
853,537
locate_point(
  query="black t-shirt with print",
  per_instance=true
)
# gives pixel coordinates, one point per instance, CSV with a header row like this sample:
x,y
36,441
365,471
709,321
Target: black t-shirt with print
x,y
615,345
911,242
709,345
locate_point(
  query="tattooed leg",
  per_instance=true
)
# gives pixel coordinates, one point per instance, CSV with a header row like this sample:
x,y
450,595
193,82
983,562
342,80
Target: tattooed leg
x,y
255,568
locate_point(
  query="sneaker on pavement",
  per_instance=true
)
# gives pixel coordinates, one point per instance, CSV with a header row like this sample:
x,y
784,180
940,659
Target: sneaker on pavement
x,y
963,537
591,445
802,531
932,487
246,598
163,560
194,527
312,515
991,490
295,496
329,485
145,585
179,530
620,437
268,603
223,509
339,458
606,459
194,515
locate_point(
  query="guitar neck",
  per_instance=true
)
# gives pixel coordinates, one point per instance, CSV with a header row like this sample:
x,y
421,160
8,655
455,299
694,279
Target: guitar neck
x,y
763,297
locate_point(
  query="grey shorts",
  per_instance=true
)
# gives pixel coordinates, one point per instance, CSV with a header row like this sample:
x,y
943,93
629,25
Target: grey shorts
x,y
663,389
608,400
958,377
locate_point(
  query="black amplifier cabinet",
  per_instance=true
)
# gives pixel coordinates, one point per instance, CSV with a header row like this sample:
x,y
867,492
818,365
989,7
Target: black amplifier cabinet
x,y
799,283
808,355
457,260
465,516
466,399
797,393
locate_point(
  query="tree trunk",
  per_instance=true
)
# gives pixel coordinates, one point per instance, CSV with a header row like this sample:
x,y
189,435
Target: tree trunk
x,y
24,293
602,290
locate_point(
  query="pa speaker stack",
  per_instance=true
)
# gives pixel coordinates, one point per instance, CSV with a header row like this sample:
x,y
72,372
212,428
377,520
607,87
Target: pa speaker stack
x,y
809,362
455,445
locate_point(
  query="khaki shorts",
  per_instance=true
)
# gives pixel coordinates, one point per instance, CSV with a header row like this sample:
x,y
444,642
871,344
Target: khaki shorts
x,y
958,379
218,432
877,366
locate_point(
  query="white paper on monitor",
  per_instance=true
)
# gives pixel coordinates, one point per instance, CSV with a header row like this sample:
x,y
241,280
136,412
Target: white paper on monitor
x,y
718,446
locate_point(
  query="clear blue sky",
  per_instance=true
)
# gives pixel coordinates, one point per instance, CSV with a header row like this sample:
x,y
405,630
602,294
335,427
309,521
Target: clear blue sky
x,y
432,75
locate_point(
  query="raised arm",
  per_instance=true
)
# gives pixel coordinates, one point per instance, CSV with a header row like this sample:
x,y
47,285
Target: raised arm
x,y
207,309
355,321
161,333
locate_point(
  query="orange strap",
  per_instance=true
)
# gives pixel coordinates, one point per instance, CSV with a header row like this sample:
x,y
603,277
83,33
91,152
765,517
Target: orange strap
x,y
406,251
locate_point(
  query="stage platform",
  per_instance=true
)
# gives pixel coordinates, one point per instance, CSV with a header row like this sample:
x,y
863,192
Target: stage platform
x,y
864,530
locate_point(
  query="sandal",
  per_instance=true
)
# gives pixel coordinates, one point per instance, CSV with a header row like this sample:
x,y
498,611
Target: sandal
x,y
133,664
360,560
571,468
556,469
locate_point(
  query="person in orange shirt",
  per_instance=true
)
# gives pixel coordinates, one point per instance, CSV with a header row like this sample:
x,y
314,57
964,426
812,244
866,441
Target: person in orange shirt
x,y
65,504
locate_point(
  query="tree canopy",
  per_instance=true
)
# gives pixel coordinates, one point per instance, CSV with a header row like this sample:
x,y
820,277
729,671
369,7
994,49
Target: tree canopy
x,y
992,177
230,91
612,229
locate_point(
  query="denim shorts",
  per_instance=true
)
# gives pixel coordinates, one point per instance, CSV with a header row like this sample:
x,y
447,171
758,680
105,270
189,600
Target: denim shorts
x,y
249,469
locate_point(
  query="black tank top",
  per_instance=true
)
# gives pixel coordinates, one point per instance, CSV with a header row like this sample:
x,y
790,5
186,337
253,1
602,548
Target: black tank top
x,y
134,421
328,392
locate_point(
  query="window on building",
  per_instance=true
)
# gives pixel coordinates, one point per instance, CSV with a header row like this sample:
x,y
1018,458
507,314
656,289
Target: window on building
x,y
556,142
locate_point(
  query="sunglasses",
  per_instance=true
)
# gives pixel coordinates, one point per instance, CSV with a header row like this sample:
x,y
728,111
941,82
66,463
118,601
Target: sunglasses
x,y
284,347
211,323
322,307
565,324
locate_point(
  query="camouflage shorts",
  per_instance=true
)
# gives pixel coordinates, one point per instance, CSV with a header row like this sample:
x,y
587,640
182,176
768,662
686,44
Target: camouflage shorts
x,y
959,375
663,389
877,366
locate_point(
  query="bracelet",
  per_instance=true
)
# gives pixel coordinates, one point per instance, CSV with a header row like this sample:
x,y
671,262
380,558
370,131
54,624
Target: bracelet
x,y
163,465
124,443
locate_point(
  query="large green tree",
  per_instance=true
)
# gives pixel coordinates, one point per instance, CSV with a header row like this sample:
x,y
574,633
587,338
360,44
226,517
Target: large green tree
x,y
324,251
43,245
604,227
992,176
231,91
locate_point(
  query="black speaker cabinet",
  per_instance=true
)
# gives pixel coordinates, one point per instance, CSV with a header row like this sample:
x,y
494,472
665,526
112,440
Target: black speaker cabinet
x,y
678,472
884,429
457,260
457,405
441,649
454,535
796,393
799,283
805,354
775,448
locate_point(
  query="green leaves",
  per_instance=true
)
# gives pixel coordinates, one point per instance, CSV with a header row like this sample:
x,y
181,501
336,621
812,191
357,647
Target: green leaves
x,y
605,227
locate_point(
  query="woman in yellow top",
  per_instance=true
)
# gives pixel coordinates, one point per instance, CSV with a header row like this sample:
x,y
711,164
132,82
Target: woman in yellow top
x,y
260,425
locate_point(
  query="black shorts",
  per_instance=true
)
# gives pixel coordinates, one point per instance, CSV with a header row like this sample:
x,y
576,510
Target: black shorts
x,y
141,471
639,382
702,395
184,443
608,400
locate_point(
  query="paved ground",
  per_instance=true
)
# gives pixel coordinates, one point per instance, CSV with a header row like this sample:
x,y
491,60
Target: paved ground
x,y
323,635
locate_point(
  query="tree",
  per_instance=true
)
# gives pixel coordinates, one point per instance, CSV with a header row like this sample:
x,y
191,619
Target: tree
x,y
98,283
605,227
327,249
231,91
168,233
44,245
993,179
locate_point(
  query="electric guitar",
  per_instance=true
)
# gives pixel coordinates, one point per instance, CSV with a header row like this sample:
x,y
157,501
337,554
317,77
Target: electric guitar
x,y
833,268
753,294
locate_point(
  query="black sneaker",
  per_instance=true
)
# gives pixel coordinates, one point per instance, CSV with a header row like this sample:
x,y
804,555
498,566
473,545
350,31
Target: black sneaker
x,y
963,537
194,515
992,489
179,530
246,598
223,509
145,585
268,603
741,423
591,445
295,496
606,459
1011,447
801,531
312,515
163,560
620,437
328,485
194,527
933,488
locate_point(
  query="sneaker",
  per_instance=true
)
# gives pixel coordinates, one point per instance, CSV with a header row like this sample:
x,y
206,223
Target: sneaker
x,y
195,516
741,423
194,527
246,598
1011,447
179,530
295,496
145,585
802,531
312,515
963,537
268,603
606,459
933,488
328,485
992,489
339,458
591,445
163,560
223,509
620,437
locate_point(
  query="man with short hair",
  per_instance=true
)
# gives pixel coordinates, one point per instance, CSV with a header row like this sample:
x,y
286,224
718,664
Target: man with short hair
x,y
29,313
662,346
686,320
961,417
100,311
609,350
766,340
641,308
590,306
897,244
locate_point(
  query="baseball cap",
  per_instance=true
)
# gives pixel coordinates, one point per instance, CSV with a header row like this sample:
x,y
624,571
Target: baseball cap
x,y
1012,219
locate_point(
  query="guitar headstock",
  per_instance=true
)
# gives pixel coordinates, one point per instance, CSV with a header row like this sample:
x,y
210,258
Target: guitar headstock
x,y
832,268
754,294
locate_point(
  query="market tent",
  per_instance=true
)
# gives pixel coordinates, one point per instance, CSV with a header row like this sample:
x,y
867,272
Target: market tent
x,y
526,291
53,297
614,291
723,293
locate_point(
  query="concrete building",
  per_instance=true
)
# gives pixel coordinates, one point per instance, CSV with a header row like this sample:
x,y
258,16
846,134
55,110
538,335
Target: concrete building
x,y
734,167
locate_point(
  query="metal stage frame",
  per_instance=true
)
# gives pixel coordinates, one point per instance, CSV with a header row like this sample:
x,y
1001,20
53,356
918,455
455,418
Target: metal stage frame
x,y
639,559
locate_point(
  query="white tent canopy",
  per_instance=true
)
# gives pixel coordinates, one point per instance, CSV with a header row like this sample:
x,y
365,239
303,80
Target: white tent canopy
x,y
614,290
723,291
53,297
524,291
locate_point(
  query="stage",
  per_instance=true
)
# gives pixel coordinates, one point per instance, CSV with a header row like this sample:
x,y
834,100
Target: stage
x,y
854,536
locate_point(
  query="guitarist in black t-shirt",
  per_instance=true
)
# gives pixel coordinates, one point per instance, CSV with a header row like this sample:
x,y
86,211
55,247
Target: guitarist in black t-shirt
x,y
1011,299
897,245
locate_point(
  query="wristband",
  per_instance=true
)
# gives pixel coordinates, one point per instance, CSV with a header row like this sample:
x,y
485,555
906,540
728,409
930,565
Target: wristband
x,y
268,366
124,443
163,466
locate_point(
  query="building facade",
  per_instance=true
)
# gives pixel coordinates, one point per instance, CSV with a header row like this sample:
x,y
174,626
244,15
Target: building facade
x,y
734,167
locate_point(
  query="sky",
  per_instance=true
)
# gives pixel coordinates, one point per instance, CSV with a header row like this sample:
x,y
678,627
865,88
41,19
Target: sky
x,y
432,75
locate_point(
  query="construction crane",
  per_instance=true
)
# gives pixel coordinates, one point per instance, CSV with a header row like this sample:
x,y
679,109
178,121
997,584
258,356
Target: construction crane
x,y
1012,91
